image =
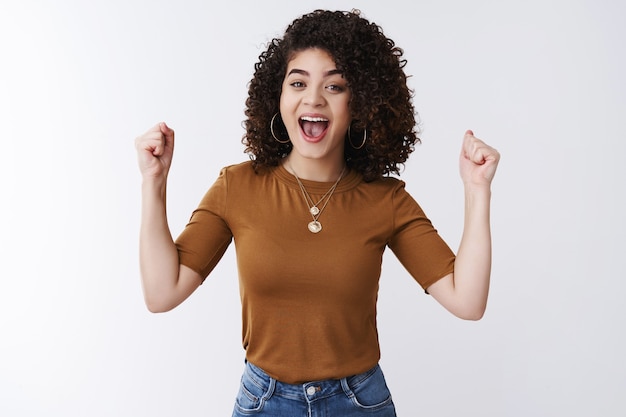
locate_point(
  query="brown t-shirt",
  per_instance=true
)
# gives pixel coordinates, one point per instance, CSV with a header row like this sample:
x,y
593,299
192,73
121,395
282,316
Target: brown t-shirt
x,y
309,300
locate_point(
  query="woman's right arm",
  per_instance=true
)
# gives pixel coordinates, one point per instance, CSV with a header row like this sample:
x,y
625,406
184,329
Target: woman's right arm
x,y
166,283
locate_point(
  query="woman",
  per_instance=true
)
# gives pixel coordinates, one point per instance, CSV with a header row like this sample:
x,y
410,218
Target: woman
x,y
329,118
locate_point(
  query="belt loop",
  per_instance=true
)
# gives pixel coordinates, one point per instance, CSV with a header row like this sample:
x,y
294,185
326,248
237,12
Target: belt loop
x,y
346,387
270,389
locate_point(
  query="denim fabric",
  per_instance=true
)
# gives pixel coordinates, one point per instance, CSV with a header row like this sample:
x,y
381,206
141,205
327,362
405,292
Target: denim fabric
x,y
365,394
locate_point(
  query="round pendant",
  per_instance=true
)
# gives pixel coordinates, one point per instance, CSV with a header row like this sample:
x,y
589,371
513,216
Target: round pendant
x,y
315,226
314,210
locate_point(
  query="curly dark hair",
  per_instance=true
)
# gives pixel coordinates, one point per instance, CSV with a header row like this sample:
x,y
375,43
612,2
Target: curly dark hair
x,y
373,66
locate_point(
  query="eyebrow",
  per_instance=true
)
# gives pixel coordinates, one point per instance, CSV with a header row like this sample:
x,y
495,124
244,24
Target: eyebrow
x,y
306,73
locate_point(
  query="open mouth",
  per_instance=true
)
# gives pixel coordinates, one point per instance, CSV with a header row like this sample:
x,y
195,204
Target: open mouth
x,y
313,127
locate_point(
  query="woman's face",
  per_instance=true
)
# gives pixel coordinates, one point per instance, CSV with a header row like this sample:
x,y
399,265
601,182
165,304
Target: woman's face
x,y
314,106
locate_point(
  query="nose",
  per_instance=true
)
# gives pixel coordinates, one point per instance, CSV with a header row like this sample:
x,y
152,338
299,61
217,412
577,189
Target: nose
x,y
314,97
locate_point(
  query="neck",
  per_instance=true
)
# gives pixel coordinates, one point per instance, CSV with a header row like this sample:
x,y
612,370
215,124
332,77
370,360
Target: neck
x,y
314,170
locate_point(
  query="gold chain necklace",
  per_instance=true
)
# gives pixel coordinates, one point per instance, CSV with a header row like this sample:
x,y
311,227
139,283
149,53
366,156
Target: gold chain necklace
x,y
315,226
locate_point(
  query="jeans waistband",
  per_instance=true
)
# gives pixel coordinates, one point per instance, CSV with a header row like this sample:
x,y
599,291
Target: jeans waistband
x,y
308,390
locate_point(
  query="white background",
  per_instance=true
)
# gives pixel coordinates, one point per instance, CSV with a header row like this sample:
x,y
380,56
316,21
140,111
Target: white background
x,y
542,81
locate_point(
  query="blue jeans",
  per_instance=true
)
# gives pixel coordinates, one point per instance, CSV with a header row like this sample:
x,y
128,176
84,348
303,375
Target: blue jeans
x,y
365,394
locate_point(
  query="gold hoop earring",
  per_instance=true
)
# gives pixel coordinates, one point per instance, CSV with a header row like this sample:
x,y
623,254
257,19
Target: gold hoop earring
x,y
274,134
350,138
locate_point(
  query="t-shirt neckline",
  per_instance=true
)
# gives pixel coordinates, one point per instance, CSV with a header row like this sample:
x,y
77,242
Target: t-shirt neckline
x,y
350,179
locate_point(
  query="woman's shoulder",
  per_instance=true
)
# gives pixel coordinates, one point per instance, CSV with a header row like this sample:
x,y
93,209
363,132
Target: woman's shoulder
x,y
238,168
243,173
385,184
237,171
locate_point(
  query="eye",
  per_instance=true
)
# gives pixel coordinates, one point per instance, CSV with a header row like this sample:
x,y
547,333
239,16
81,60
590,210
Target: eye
x,y
297,84
336,88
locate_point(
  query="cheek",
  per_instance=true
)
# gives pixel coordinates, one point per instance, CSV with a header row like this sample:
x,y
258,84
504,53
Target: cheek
x,y
286,104
346,115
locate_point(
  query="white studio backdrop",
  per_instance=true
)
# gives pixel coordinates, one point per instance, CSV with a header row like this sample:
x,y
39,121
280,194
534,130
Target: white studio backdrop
x,y
542,81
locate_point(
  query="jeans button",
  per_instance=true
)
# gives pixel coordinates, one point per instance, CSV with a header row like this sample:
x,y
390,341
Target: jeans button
x,y
310,390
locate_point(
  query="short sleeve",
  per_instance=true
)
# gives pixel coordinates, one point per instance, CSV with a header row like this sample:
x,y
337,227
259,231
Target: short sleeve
x,y
205,238
416,243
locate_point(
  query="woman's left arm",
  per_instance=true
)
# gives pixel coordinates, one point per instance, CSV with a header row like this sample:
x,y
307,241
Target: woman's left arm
x,y
464,292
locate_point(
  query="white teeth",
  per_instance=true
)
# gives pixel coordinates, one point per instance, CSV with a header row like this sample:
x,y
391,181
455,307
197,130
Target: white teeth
x,y
313,119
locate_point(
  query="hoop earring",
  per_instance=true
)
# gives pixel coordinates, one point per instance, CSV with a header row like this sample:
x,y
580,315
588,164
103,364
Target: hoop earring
x,y
274,134
350,138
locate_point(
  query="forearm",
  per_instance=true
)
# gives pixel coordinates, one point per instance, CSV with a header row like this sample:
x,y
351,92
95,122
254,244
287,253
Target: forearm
x,y
472,268
158,256
464,292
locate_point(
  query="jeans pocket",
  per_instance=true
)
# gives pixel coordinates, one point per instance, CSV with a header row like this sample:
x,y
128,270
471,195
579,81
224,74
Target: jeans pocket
x,y
251,395
369,391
